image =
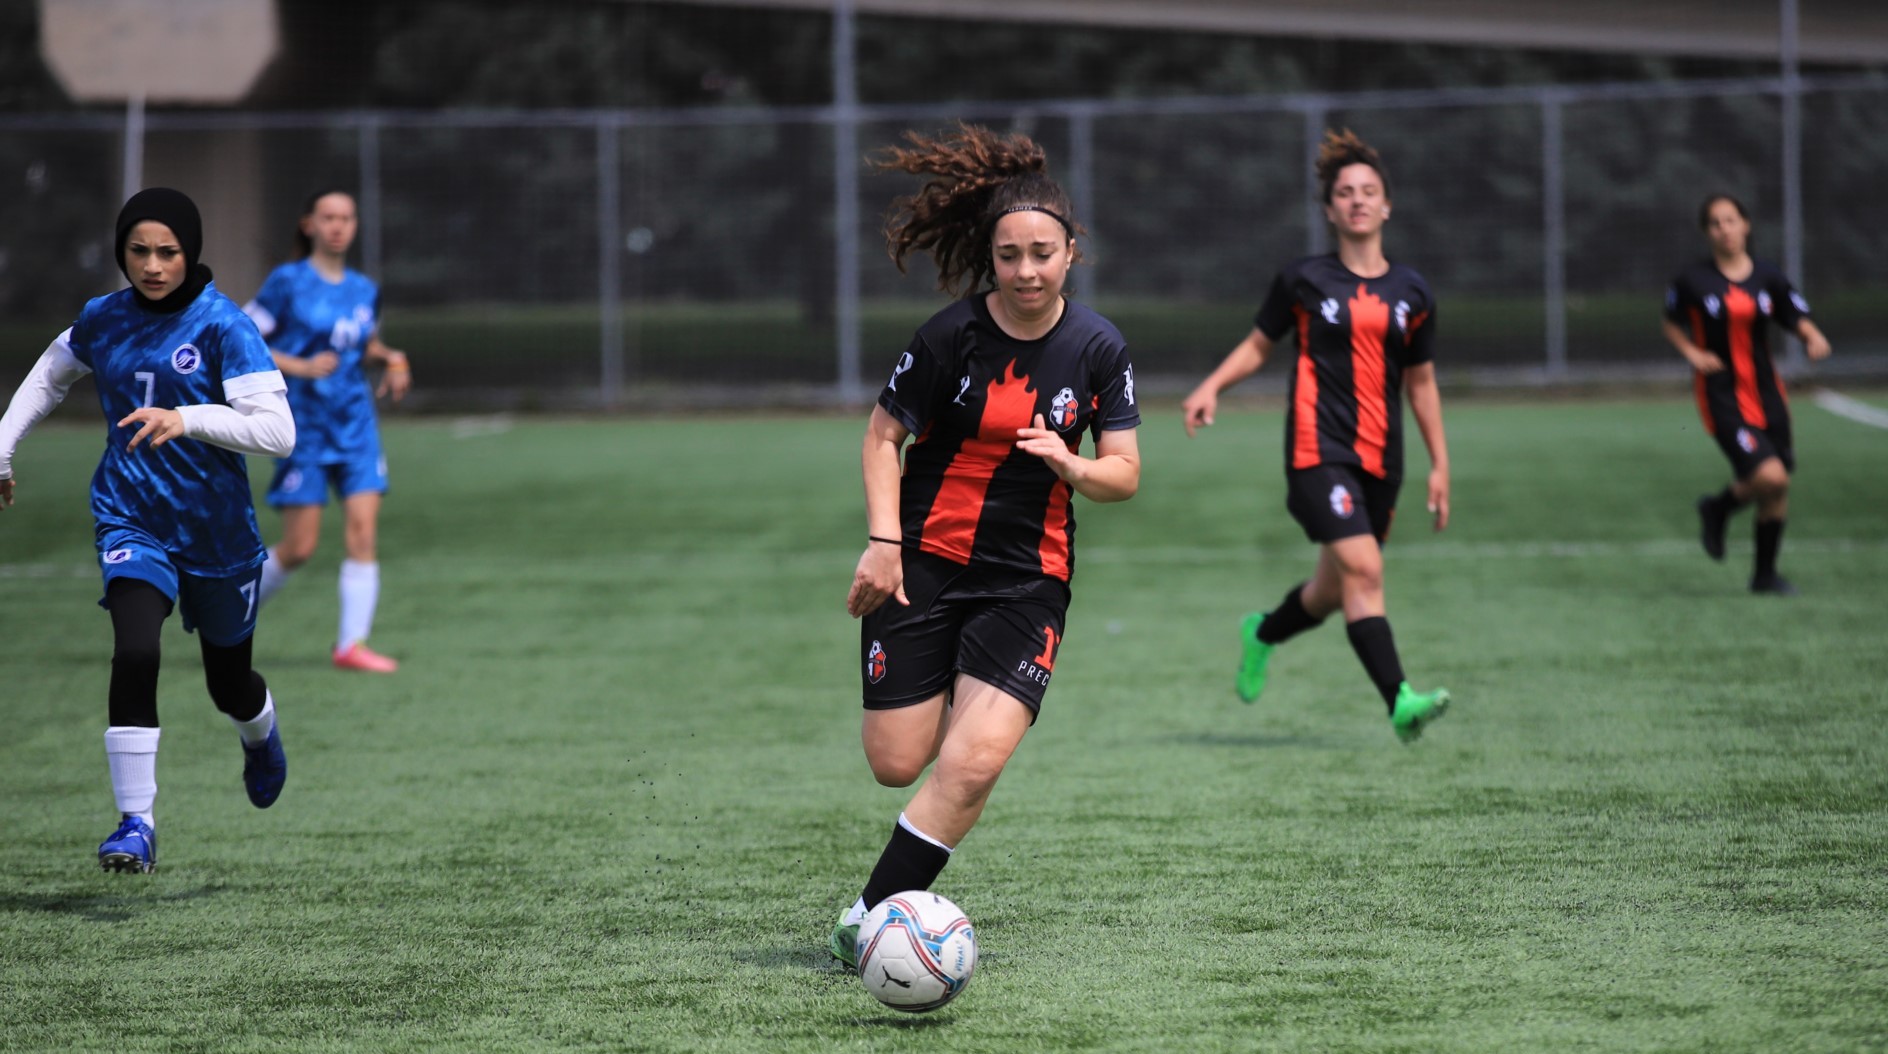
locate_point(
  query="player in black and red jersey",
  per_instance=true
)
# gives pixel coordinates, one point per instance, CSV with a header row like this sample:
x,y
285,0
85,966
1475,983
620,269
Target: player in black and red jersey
x,y
1716,315
1366,332
964,584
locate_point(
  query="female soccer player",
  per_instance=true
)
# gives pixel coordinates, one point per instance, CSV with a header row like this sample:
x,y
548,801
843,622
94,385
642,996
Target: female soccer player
x,y
322,322
175,525
1715,315
1366,330
973,544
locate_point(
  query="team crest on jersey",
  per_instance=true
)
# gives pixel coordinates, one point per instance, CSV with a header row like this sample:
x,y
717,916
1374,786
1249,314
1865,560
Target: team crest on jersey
x,y
186,359
875,662
1712,304
119,556
1746,442
1063,411
1342,503
1763,302
1329,310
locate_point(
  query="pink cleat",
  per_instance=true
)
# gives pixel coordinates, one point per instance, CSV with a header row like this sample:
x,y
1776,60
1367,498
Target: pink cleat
x,y
358,656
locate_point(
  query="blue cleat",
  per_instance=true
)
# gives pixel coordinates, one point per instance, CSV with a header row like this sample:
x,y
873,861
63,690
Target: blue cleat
x,y
131,849
265,769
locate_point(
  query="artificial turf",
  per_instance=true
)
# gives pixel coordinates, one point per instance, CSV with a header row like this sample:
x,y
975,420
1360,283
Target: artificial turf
x,y
614,798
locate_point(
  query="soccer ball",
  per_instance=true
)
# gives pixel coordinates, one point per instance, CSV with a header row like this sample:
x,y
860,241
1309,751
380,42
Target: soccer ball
x,y
916,951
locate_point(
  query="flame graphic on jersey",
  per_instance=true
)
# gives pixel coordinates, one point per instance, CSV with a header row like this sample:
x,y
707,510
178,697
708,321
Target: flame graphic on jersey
x,y
1369,324
951,528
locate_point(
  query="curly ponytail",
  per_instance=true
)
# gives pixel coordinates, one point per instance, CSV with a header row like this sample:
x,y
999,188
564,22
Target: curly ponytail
x,y
980,176
1339,151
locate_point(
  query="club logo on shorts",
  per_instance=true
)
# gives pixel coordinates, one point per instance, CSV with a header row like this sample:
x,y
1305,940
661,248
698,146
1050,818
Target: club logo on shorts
x,y
1062,411
186,359
1763,302
875,662
1329,310
119,556
1746,442
1341,502
292,479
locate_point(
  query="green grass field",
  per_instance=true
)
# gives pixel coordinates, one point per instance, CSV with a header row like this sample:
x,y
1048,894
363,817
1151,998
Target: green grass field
x,y
615,797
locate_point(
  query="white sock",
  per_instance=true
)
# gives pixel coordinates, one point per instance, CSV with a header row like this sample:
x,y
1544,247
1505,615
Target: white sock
x,y
131,752
360,594
273,575
856,913
906,824
256,729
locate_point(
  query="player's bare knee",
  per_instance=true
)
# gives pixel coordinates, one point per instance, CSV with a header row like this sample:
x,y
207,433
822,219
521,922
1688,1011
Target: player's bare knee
x,y
896,772
292,555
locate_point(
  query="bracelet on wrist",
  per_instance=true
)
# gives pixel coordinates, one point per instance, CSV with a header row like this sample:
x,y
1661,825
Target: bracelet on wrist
x,y
887,541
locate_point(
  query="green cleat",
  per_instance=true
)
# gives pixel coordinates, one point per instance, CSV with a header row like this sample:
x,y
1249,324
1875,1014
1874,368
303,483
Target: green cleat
x,y
1415,710
845,941
1251,679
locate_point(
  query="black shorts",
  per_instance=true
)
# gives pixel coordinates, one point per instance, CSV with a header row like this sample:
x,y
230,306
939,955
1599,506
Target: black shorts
x,y
1334,502
998,625
1747,447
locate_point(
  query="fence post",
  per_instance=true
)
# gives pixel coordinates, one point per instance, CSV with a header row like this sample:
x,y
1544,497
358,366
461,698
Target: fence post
x,y
1792,147
370,219
1082,183
133,173
846,204
1317,239
609,264
1554,236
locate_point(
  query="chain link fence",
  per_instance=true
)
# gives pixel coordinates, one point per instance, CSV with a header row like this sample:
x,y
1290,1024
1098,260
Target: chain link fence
x,y
647,258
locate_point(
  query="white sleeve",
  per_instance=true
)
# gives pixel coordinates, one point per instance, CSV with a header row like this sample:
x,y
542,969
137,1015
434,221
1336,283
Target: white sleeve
x,y
265,322
257,423
43,389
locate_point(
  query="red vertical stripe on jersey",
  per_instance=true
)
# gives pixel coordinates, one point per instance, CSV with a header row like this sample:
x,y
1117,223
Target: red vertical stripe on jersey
x,y
1304,398
1369,324
950,530
1740,312
1697,379
1054,549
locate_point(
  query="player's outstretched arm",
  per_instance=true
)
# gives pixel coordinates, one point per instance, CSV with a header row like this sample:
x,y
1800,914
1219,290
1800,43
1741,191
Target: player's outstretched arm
x,y
1700,359
1814,343
44,388
259,423
880,575
1242,362
1425,401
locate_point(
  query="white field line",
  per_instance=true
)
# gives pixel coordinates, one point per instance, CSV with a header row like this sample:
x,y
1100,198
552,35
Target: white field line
x,y
478,427
1853,409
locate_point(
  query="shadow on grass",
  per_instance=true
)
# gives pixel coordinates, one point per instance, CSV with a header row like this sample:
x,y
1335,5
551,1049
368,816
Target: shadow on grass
x,y
904,1022
803,957
1221,739
100,909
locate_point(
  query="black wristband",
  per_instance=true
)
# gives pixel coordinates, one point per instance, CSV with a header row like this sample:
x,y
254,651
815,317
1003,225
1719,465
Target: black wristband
x,y
887,541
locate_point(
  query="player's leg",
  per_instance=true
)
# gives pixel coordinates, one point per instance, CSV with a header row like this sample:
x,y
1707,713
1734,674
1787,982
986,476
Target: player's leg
x,y
1745,448
297,492
1358,560
1770,485
1304,605
222,612
139,587
360,573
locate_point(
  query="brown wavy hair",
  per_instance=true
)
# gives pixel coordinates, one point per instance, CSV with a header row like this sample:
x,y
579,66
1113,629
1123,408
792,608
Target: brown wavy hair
x,y
978,176
1341,150
305,245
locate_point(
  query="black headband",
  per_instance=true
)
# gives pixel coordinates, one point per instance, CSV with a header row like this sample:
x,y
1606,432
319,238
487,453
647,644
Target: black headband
x,y
1067,228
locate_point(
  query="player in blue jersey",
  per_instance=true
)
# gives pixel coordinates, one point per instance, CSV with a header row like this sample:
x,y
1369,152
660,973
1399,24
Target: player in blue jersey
x,y
187,388
322,320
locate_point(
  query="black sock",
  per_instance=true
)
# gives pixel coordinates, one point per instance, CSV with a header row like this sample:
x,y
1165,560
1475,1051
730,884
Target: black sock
x,y
1728,502
1288,619
1376,649
1769,540
908,862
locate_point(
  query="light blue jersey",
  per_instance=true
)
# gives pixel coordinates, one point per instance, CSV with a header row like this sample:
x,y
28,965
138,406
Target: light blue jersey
x,y
301,313
188,497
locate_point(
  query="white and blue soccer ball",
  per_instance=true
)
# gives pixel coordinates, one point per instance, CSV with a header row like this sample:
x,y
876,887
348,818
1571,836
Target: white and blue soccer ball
x,y
916,951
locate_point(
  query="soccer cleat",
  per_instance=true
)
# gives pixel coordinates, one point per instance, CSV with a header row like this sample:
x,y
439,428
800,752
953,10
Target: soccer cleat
x,y
1711,522
131,849
1251,679
845,941
265,769
358,656
1774,584
1415,710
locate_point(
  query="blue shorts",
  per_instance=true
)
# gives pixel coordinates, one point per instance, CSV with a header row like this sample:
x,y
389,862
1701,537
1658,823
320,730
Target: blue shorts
x,y
224,608
307,484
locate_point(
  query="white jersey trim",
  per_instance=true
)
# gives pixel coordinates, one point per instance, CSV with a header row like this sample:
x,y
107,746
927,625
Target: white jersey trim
x,y
265,322
254,384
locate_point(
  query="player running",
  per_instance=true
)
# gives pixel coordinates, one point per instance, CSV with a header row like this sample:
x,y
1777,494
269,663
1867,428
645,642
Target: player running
x,y
1366,332
175,524
322,323
1715,315
963,588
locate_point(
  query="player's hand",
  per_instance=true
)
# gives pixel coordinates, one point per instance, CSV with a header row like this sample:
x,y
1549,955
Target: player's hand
x,y
1439,497
1817,348
320,364
6,493
398,378
160,426
1049,445
1706,363
1198,409
879,577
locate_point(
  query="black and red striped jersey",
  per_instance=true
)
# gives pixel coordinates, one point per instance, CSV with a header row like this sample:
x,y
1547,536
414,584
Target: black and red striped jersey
x,y
1355,337
1731,320
963,388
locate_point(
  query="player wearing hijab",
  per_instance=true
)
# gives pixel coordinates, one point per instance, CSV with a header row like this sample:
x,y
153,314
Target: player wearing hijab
x,y
175,526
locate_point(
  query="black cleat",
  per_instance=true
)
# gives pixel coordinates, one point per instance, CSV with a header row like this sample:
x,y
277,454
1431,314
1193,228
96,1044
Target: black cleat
x,y
1711,523
1776,585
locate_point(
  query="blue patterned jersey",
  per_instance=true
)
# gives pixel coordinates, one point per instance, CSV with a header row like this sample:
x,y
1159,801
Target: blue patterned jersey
x,y
301,313
191,496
